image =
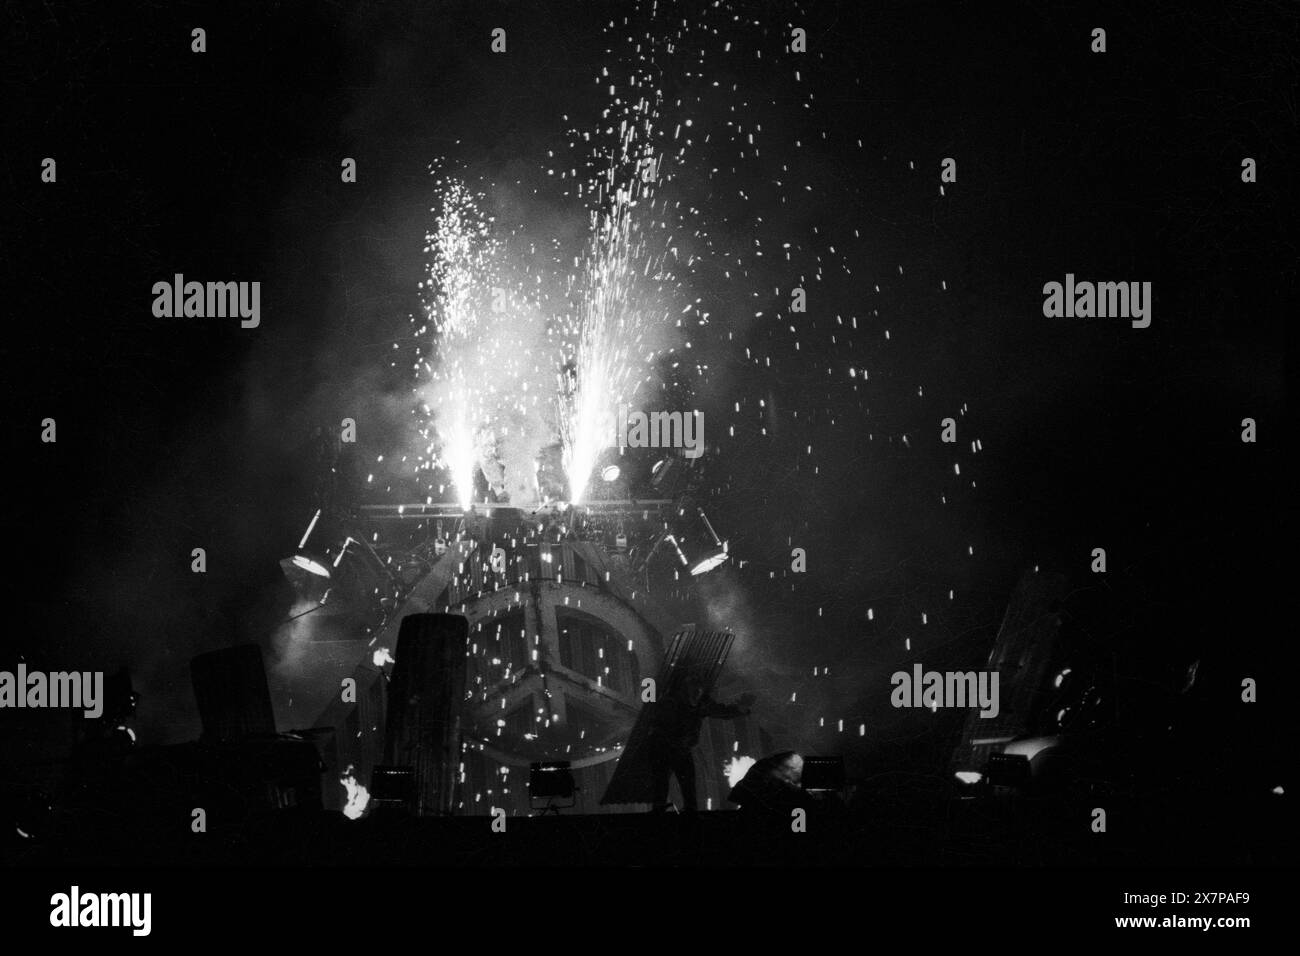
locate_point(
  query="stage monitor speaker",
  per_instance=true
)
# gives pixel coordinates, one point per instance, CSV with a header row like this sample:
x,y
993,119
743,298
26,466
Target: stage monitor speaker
x,y
823,773
1008,770
392,788
231,691
550,782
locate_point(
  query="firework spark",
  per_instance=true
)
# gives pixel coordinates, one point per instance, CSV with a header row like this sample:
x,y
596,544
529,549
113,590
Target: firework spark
x,y
622,290
460,281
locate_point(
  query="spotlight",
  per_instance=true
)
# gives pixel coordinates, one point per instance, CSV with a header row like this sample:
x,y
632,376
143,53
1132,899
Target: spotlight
x,y
700,557
662,470
610,473
708,563
302,567
310,565
714,557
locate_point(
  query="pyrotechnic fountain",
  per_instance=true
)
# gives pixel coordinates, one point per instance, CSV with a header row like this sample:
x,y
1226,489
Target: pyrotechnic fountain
x,y
525,363
620,289
460,280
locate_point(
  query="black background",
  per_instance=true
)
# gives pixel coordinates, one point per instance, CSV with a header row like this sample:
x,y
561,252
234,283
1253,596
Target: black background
x,y
174,434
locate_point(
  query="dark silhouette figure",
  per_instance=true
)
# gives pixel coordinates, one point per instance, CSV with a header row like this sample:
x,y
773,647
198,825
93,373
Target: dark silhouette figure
x,y
676,731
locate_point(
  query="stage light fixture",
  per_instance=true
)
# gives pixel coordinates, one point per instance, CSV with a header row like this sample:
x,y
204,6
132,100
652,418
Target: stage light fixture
x,y
310,565
311,526
708,563
303,567
696,552
711,556
662,470
610,473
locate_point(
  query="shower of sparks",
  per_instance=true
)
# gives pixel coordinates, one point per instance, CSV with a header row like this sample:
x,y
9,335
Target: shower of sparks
x,y
619,289
491,348
460,283
693,209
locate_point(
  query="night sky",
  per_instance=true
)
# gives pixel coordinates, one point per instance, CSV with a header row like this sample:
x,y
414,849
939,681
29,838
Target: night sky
x,y
1123,166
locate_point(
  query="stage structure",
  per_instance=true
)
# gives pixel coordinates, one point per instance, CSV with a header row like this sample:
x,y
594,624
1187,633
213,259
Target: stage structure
x,y
1027,653
700,654
562,628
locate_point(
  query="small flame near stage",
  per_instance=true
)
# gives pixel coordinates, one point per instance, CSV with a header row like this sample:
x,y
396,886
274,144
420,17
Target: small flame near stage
x,y
735,769
358,795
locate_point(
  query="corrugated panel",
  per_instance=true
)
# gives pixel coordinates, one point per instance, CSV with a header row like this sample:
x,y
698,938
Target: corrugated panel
x,y
424,703
1021,655
702,652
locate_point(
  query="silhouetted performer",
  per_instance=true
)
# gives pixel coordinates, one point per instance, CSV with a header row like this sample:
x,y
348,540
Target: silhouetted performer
x,y
676,731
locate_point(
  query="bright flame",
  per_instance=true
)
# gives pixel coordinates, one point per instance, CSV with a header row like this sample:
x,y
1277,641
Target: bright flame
x,y
358,796
458,451
736,767
383,656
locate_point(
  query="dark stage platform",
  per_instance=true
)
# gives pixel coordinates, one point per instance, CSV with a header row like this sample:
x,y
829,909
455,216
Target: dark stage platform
x,y
952,833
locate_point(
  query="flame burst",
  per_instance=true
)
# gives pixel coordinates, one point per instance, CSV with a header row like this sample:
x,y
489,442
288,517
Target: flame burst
x,y
735,768
358,796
